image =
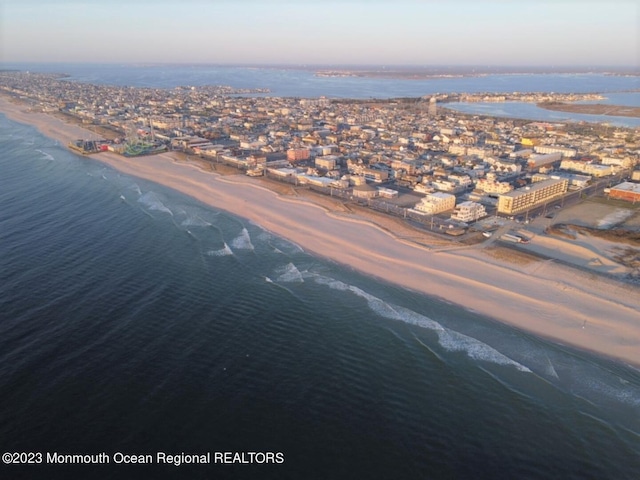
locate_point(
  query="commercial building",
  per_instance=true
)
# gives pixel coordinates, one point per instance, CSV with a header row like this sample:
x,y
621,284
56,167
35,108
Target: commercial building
x,y
628,191
528,197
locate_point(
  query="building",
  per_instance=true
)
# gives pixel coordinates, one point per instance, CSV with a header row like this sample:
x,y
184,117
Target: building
x,y
635,175
528,197
566,152
374,175
297,154
328,162
491,185
588,168
387,192
365,191
437,202
468,212
628,191
539,160
576,181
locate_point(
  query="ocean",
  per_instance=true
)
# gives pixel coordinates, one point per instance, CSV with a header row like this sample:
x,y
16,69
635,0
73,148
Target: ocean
x,y
136,320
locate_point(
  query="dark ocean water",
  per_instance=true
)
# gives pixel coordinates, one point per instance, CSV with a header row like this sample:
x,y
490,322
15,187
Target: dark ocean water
x,y
134,319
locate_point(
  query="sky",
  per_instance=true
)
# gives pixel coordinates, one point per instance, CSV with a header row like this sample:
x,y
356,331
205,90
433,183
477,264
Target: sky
x,y
328,32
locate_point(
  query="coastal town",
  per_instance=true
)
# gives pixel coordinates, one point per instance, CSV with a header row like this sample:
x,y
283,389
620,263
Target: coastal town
x,y
410,157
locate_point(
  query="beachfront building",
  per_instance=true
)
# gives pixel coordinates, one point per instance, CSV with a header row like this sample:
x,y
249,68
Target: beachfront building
x,y
530,196
628,191
365,191
437,202
468,212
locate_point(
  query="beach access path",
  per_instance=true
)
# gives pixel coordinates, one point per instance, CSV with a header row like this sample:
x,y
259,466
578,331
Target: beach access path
x,y
564,305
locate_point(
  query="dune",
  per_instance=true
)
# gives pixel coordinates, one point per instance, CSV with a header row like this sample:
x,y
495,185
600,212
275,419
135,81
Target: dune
x,y
555,302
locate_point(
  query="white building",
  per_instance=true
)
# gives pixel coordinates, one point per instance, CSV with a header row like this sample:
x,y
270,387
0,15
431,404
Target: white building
x,y
540,160
437,202
468,212
589,168
491,185
566,152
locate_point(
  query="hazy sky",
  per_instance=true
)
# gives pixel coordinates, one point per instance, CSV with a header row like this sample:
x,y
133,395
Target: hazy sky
x,y
401,32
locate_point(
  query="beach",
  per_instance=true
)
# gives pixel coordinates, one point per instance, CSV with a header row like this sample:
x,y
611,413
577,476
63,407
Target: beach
x,y
565,305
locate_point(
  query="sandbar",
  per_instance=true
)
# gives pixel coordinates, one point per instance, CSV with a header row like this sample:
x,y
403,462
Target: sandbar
x,y
565,305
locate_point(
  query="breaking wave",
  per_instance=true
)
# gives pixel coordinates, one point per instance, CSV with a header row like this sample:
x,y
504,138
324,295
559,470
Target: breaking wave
x,y
152,202
195,221
46,155
289,273
223,252
448,339
242,241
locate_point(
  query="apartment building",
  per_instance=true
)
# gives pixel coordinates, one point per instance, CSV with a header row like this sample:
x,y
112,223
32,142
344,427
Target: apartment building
x,y
530,196
437,202
468,212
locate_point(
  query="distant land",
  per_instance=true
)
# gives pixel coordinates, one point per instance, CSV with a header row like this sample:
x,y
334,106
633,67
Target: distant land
x,y
592,109
417,72
454,71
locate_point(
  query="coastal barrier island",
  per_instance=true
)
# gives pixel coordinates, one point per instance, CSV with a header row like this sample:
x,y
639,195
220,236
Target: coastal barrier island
x,y
592,109
449,205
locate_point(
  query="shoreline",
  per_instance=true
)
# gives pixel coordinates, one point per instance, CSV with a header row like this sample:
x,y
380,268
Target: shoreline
x,y
592,109
551,301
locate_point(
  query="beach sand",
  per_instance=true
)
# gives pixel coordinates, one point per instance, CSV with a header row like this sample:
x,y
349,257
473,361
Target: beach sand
x,y
564,305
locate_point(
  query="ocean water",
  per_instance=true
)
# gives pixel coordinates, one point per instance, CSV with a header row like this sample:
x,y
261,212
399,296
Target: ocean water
x,y
135,319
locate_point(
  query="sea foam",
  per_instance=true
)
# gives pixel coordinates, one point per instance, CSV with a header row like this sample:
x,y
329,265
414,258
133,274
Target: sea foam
x,y
289,273
223,252
448,339
242,241
152,202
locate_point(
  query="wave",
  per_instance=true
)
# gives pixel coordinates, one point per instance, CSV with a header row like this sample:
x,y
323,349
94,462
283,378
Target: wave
x,y
223,252
242,241
136,188
448,339
152,202
46,155
195,221
289,273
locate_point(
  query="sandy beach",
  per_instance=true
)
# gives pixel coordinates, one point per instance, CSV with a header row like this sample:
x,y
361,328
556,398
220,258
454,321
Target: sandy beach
x,y
565,305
